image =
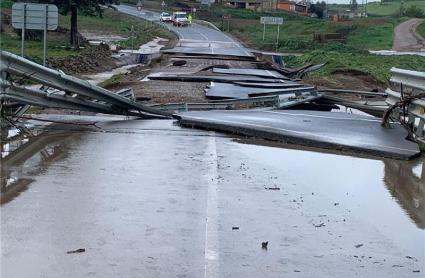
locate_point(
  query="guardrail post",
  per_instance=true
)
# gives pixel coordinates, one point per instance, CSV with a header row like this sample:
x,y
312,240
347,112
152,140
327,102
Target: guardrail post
x,y
411,98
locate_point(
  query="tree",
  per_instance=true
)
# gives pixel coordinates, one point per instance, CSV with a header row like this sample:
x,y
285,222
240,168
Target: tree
x,y
91,7
318,8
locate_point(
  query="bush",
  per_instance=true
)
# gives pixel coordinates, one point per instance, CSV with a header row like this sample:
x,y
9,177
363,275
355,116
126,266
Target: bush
x,y
30,35
414,11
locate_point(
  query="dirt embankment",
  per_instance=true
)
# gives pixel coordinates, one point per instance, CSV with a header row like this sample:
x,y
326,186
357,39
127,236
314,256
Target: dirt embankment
x,y
94,59
347,80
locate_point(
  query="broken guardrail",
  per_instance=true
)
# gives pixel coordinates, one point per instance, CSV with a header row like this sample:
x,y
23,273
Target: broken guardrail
x,y
72,93
266,101
409,96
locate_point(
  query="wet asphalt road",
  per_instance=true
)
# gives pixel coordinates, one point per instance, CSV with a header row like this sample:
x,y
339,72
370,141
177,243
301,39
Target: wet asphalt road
x,y
151,199
340,131
195,39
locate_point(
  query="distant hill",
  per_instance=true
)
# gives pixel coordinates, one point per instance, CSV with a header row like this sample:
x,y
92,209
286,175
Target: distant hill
x,y
392,7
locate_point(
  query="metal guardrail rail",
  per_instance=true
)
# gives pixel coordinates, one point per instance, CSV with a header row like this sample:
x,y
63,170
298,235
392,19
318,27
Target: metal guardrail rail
x,y
270,102
409,84
74,93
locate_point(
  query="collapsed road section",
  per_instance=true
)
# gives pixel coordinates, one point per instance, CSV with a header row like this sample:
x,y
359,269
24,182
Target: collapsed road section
x,y
88,196
347,132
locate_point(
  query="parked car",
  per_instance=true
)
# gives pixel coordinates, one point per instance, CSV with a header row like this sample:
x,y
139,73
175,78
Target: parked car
x,y
180,19
165,17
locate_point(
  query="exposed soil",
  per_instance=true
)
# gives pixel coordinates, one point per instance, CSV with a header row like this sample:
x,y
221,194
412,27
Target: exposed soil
x,y
160,92
347,80
95,59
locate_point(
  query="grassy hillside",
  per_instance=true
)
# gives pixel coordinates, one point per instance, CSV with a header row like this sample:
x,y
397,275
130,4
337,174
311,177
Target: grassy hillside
x,y
392,8
296,35
421,29
112,23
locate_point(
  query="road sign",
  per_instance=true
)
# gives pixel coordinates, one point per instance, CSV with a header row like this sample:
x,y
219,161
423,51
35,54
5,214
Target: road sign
x,y
139,5
271,20
34,17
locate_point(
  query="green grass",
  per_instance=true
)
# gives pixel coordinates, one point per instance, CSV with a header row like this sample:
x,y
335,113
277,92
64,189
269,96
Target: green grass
x,y
374,65
421,29
58,42
296,35
6,4
392,8
111,81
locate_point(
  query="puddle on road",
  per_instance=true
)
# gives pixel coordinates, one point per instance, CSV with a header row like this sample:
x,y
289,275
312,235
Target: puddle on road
x,y
389,193
25,156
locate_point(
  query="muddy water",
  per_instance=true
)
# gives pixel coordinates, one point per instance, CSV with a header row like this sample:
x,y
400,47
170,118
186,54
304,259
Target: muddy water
x,y
135,195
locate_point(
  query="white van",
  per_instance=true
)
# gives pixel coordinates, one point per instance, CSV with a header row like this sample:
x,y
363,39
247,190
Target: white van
x,y
180,19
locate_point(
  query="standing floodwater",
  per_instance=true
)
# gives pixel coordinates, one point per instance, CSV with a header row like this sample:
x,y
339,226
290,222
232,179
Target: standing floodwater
x,y
131,199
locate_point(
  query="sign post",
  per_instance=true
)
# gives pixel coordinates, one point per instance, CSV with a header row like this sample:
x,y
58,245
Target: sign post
x,y
46,9
28,16
226,17
24,19
271,21
277,39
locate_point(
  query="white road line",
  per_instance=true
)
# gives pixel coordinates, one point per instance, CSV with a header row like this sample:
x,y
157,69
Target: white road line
x,y
207,39
211,228
202,35
236,44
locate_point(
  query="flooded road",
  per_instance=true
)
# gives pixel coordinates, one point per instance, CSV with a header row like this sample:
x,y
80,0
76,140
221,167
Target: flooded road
x,y
151,199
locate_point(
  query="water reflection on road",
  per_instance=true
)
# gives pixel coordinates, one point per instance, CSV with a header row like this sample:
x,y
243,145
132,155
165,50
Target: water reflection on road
x,y
168,163
24,155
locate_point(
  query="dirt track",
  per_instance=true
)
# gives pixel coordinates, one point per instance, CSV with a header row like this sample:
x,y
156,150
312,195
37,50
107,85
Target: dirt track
x,y
406,38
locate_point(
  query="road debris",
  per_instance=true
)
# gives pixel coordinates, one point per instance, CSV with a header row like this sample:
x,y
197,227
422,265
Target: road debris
x,y
80,250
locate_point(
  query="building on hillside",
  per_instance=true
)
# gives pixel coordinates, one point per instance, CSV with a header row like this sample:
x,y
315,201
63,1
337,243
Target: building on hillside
x,y
345,16
257,5
299,7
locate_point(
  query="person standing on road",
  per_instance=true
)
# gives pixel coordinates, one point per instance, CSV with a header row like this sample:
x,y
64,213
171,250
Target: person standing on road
x,y
190,19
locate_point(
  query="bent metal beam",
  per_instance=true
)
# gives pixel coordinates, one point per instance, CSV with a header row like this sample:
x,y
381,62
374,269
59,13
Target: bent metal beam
x,y
87,92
